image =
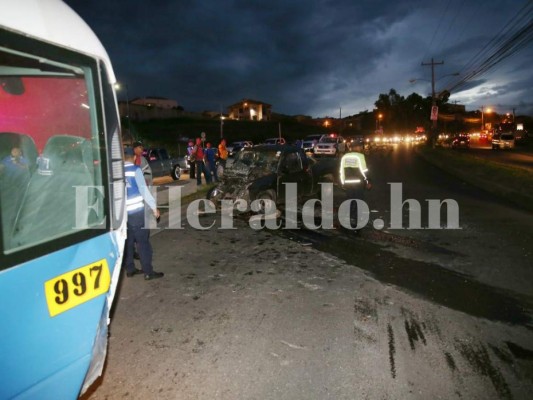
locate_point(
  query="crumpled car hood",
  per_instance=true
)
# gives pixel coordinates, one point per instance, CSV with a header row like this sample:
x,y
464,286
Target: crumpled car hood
x,y
236,179
246,173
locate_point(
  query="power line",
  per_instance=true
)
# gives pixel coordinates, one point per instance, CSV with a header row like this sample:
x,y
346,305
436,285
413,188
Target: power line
x,y
451,23
474,13
438,26
513,37
499,37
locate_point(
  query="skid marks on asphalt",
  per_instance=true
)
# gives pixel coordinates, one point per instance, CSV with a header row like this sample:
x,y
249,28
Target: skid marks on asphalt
x,y
433,354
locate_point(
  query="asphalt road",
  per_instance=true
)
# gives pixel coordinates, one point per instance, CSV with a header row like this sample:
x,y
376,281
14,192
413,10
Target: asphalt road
x,y
305,314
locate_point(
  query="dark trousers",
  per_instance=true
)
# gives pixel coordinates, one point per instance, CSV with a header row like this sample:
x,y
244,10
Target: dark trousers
x,y
211,166
140,235
354,191
200,167
192,170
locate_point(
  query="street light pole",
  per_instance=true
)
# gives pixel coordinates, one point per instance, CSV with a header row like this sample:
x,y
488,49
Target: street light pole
x,y
378,122
483,117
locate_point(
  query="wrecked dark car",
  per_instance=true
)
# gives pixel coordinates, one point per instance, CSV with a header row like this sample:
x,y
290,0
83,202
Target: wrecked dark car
x,y
260,172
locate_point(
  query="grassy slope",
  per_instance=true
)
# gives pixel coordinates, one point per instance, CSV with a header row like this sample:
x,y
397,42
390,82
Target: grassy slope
x,y
510,183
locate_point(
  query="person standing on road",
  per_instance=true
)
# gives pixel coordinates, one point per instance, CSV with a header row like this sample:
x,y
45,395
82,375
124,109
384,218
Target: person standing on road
x,y
222,154
199,156
210,160
355,180
141,161
190,159
138,197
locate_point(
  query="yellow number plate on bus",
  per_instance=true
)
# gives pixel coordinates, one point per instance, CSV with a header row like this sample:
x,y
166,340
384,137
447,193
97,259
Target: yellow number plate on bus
x,y
76,287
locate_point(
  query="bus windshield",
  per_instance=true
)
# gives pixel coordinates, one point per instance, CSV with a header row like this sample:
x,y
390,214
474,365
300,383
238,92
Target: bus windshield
x,y
50,151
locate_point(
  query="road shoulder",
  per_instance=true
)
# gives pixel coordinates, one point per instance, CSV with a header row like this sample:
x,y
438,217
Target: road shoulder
x,y
509,183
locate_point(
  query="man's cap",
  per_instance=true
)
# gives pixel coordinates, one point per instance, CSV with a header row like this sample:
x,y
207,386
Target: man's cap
x,y
137,144
128,151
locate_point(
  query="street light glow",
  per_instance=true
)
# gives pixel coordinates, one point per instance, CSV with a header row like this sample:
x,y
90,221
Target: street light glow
x,y
483,111
118,86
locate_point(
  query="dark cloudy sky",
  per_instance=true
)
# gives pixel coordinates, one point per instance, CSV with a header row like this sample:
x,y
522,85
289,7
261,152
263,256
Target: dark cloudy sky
x,y
316,57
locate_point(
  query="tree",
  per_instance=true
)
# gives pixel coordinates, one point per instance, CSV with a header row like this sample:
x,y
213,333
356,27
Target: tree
x,y
405,114
390,105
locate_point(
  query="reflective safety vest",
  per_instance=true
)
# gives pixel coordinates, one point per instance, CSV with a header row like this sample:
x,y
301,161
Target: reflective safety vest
x,y
134,201
353,168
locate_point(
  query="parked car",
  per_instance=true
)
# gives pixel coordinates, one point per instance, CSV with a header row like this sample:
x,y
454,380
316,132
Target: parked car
x,y
503,141
235,147
260,172
310,141
461,140
275,140
162,164
330,145
183,162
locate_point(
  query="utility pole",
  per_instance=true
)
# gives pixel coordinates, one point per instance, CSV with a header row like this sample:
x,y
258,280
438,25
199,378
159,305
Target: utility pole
x,y
434,116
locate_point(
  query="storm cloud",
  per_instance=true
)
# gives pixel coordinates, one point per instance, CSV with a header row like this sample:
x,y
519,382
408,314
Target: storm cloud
x,y
309,57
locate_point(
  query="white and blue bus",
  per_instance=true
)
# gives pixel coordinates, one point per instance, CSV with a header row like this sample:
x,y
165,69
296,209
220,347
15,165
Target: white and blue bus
x,y
62,201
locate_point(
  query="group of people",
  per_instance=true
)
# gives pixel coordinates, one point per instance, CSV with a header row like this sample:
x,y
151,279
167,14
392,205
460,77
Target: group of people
x,y
141,205
203,160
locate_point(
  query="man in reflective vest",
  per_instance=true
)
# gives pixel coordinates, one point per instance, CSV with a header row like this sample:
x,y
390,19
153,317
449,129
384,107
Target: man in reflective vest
x,y
138,196
354,178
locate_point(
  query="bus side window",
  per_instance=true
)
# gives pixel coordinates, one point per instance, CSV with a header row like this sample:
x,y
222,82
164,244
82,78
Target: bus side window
x,y
17,160
48,209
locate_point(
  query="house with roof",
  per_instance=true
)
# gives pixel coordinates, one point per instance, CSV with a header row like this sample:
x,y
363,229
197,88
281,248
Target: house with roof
x,y
250,110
